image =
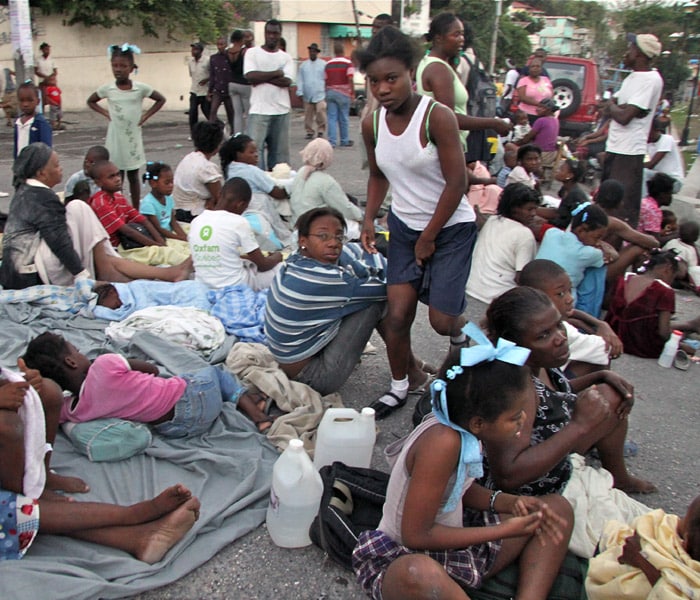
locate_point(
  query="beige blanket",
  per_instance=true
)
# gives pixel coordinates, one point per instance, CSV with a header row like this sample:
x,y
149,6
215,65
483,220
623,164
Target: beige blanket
x,y
658,533
255,366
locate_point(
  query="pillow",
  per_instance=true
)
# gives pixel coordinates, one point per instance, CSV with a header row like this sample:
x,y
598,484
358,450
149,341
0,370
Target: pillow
x,y
106,440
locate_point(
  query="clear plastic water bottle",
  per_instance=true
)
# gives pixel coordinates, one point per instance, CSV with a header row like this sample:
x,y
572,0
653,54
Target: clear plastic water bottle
x,y
295,496
670,349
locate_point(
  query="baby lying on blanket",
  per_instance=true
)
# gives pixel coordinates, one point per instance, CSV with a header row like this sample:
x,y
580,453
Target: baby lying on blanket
x,y
112,386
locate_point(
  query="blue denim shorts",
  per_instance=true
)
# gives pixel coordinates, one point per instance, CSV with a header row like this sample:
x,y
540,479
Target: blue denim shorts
x,y
201,402
441,282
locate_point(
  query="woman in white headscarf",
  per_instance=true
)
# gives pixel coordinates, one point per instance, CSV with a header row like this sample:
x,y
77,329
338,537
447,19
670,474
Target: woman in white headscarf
x,y
46,241
314,188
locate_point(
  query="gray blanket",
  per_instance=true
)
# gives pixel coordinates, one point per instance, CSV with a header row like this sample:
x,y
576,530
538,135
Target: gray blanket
x,y
229,469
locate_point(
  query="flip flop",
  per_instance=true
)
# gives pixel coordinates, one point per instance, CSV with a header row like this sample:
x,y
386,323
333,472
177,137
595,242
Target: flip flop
x,y
424,385
682,361
382,410
425,367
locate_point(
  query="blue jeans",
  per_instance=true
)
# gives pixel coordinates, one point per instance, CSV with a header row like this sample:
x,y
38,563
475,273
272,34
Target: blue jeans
x,y
272,130
338,107
201,402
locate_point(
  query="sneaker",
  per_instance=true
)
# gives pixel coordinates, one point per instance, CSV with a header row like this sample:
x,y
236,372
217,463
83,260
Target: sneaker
x,y
348,144
309,136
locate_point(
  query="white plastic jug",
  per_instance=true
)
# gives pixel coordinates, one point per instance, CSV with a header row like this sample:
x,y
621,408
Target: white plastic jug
x,y
347,436
295,496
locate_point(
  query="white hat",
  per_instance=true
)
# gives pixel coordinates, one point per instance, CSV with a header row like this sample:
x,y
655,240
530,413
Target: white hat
x,y
648,43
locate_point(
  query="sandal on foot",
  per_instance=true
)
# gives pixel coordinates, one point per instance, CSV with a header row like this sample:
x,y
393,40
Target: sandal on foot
x,y
425,367
423,385
382,409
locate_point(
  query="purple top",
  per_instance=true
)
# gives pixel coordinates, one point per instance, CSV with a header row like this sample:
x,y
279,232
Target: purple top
x,y
546,131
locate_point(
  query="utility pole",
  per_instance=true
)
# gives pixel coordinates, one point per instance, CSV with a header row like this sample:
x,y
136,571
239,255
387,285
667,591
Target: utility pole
x,y
21,34
357,24
494,37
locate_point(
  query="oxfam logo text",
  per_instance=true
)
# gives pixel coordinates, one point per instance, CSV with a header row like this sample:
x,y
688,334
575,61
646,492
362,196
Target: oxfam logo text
x,y
206,232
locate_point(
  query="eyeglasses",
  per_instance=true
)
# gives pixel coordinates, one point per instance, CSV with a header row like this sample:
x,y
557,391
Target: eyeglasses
x,y
327,237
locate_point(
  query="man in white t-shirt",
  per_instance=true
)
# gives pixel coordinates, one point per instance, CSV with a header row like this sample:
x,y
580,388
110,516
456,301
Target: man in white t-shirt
x,y
270,72
218,238
664,156
631,112
509,84
45,67
198,67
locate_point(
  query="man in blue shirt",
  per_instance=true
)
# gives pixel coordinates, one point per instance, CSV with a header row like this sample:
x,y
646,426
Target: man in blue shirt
x,y
311,86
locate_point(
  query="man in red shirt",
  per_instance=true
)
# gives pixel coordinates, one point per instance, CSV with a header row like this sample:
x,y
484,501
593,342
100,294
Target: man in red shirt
x,y
339,94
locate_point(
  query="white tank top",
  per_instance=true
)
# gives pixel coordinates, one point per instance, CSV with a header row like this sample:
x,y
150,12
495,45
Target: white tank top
x,y
414,172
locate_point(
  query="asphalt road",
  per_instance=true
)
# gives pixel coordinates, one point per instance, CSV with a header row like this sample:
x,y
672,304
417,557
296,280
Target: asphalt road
x,y
664,422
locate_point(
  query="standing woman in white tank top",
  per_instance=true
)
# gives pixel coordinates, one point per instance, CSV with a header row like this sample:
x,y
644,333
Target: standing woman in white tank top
x,y
413,144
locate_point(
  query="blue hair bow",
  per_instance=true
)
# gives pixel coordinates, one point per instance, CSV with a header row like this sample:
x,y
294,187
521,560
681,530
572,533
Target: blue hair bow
x,y
504,350
470,457
579,208
125,47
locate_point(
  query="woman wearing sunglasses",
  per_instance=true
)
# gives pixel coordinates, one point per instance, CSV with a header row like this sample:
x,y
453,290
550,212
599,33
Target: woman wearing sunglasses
x,y
324,304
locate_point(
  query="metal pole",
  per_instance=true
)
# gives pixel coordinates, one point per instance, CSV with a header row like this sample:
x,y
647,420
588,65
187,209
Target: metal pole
x,y
693,91
494,37
357,24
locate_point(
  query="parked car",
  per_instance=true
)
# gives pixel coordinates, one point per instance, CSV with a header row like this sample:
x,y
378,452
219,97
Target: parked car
x,y
577,93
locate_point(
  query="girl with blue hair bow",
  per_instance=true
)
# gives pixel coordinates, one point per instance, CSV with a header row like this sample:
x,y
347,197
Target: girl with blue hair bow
x,y
125,115
427,545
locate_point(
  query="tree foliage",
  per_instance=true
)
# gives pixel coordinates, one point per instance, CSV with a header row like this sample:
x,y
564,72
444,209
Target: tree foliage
x,y
479,16
206,19
662,19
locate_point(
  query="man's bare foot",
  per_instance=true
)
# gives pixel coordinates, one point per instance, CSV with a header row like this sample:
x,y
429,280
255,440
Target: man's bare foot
x,y
634,485
161,535
168,500
72,485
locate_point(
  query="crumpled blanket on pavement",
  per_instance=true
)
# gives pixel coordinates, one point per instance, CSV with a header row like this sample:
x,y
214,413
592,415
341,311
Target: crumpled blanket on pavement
x,y
595,501
189,327
78,299
255,366
241,310
229,468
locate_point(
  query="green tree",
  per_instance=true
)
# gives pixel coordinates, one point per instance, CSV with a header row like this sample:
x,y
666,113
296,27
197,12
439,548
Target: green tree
x,y
479,16
661,19
203,18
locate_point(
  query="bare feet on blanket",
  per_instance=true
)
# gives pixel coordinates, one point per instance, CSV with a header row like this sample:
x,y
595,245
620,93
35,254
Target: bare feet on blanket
x,y
634,485
157,537
71,485
168,500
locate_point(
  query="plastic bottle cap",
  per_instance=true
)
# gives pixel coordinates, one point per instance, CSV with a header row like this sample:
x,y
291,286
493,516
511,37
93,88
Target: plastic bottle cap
x,y
367,411
296,444
677,332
